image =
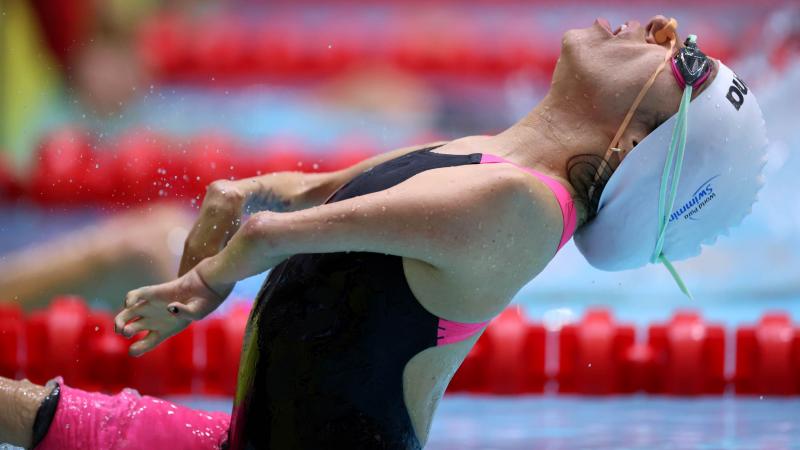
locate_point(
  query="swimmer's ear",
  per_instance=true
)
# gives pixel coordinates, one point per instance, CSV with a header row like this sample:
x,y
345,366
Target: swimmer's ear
x,y
631,138
187,311
660,30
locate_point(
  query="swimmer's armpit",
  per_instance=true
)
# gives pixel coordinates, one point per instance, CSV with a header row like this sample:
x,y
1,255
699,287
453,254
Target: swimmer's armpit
x,y
433,217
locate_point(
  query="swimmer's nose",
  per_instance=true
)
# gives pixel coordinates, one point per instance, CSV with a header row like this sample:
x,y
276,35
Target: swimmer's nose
x,y
655,28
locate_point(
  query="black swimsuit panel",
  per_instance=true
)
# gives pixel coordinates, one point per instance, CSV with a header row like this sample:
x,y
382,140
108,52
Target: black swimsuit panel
x,y
329,337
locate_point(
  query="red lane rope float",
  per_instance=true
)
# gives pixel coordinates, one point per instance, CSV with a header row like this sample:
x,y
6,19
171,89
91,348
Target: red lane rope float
x,y
689,355
508,359
55,341
517,361
597,355
768,357
233,48
592,355
62,161
141,166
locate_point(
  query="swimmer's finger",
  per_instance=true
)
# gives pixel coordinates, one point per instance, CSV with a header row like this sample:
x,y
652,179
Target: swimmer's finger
x,y
125,316
134,297
144,345
132,328
189,311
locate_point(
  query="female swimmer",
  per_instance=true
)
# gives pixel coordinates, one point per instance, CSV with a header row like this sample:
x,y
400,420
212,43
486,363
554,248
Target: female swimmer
x,y
383,275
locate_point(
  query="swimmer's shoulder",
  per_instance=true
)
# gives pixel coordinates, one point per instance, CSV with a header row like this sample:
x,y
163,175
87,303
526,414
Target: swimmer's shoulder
x,y
534,218
513,225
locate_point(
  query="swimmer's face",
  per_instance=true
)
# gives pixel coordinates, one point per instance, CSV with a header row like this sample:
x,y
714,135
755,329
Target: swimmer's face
x,y
601,71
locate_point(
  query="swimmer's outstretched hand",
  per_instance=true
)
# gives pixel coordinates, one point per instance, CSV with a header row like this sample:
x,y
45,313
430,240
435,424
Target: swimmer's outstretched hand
x,y
165,310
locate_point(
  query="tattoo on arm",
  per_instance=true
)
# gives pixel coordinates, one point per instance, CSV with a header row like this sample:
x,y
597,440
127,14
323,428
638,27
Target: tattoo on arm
x,y
266,201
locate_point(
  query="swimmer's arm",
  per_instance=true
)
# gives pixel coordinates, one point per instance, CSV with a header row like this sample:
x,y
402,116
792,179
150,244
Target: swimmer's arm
x,y
227,200
443,217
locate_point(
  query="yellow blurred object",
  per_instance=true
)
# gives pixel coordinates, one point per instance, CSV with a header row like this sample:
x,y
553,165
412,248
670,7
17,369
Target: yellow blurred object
x,y
28,74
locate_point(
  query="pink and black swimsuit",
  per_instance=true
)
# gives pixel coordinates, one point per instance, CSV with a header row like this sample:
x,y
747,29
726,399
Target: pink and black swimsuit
x,y
330,335
322,362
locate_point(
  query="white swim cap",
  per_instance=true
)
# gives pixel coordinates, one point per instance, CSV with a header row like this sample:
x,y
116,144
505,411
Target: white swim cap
x,y
724,155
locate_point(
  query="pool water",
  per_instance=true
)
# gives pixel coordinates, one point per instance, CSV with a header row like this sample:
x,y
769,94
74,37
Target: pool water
x,y
623,422
548,422
637,422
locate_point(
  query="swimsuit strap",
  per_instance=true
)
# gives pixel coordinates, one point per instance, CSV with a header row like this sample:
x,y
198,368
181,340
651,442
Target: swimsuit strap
x,y
568,213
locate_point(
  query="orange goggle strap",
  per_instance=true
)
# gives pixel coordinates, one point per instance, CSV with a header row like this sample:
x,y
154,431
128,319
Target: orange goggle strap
x,y
679,135
668,32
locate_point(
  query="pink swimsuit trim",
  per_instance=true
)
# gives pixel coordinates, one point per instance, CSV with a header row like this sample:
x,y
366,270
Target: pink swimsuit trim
x,y
451,332
568,213
128,421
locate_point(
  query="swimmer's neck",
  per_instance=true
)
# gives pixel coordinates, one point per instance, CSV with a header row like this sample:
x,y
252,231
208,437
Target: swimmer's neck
x,y
548,137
